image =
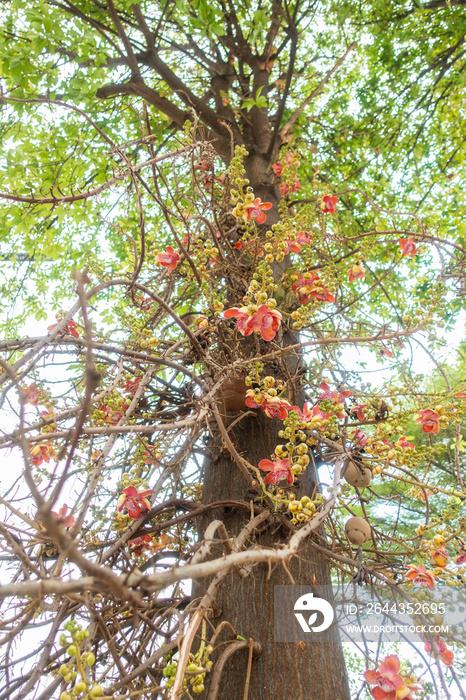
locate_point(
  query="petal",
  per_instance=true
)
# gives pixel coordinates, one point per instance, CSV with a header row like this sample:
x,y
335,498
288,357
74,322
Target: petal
x,y
371,677
232,312
392,664
266,465
260,217
379,694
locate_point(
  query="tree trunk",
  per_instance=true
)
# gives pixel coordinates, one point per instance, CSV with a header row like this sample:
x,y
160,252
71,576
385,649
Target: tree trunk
x,y
302,671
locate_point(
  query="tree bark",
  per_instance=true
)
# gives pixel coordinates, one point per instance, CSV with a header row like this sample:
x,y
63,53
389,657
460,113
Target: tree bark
x,y
312,671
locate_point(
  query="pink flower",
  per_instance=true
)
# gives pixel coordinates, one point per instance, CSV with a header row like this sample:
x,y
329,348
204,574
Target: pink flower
x,y
316,415
429,420
419,575
445,654
407,246
403,442
357,271
296,245
168,259
135,502
440,556
360,438
263,320
279,469
335,396
67,520
255,210
70,329
30,394
329,204
113,416
296,185
385,352
276,407
389,684
461,395
277,168
308,285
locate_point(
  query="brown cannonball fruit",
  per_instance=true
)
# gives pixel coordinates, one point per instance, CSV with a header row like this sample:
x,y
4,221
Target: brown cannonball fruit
x,y
357,530
357,474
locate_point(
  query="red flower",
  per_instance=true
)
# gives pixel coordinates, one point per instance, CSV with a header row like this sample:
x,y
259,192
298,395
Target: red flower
x,y
41,453
390,685
276,407
251,319
135,502
359,410
67,520
113,416
140,544
407,246
403,442
279,469
440,556
419,575
385,352
284,188
460,557
429,420
30,394
70,329
308,285
168,259
132,385
277,168
296,245
329,204
296,185
255,210
357,271
445,654
461,395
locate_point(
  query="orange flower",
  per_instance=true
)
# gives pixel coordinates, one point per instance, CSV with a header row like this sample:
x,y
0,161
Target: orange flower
x,y
329,204
389,684
418,574
403,442
357,271
67,520
429,420
30,394
168,259
445,654
41,453
276,407
440,556
407,246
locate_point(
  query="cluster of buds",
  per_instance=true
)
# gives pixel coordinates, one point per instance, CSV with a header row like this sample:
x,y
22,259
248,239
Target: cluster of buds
x,y
195,671
267,397
304,509
111,412
74,639
287,170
